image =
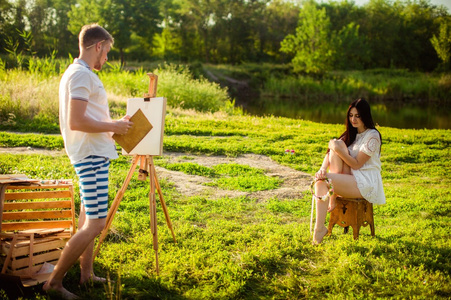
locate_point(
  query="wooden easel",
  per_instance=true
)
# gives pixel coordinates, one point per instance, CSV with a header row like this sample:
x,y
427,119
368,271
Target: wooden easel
x,y
147,168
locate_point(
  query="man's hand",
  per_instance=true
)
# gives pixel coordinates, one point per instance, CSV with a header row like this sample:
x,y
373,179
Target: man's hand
x,y
122,125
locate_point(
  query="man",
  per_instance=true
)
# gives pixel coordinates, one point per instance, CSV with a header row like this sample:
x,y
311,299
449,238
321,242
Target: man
x,y
87,128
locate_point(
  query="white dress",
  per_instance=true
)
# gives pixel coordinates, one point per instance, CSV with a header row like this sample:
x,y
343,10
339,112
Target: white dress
x,y
368,177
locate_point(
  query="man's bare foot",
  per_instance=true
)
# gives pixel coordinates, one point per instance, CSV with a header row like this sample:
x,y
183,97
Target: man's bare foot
x,y
65,294
93,279
318,235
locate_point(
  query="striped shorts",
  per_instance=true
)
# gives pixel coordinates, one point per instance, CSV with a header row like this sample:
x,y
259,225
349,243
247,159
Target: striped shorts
x,y
92,172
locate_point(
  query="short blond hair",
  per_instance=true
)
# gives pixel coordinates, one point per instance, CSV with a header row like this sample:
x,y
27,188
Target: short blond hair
x,y
93,33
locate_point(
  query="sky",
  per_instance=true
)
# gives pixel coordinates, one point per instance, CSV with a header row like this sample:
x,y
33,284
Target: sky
x,y
446,3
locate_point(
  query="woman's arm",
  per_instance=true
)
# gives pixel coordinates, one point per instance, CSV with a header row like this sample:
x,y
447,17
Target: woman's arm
x,y
323,170
340,148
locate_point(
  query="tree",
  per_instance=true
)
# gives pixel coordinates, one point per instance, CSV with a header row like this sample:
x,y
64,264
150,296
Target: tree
x,y
58,35
312,45
5,21
351,49
442,44
279,19
122,18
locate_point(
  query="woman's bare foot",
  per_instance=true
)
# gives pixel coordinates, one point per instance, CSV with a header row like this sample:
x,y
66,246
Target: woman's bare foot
x,y
65,294
318,235
332,204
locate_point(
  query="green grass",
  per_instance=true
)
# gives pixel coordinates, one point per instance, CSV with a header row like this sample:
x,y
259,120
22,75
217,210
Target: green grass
x,y
229,176
241,248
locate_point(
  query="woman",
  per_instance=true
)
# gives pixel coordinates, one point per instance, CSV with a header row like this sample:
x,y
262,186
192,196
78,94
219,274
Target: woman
x,y
354,166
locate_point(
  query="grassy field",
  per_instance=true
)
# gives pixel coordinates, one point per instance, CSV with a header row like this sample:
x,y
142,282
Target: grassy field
x,y
240,248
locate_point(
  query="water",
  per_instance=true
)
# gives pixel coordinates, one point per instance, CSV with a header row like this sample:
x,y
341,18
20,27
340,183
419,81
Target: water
x,y
397,115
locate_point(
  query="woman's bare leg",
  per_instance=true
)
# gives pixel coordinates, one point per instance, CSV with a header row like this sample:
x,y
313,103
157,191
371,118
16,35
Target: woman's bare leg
x,y
338,166
321,212
345,185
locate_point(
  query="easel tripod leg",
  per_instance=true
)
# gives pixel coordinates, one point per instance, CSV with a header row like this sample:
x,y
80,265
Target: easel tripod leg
x,y
163,204
153,212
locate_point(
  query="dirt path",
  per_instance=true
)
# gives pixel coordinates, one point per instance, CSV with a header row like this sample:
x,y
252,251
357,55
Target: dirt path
x,y
294,182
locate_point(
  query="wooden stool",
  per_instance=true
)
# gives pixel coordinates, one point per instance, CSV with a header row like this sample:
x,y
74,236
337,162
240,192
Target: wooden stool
x,y
354,213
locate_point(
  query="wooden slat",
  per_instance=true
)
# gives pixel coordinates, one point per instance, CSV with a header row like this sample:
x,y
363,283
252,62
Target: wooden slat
x,y
47,256
38,195
43,232
62,233
62,236
14,226
40,258
23,273
37,215
37,205
40,186
22,250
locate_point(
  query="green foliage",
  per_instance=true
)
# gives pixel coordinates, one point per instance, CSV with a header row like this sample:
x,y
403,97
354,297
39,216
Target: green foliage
x,y
176,83
374,84
442,44
124,20
312,44
241,248
222,31
29,101
181,90
32,104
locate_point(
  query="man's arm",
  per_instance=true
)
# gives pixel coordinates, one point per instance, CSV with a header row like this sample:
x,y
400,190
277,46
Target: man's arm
x,y
80,122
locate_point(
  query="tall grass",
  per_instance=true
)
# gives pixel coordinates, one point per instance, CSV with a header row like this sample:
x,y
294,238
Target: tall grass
x,y
29,98
176,83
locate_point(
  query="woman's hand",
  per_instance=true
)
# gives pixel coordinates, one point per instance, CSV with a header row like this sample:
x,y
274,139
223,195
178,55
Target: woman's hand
x,y
321,174
335,144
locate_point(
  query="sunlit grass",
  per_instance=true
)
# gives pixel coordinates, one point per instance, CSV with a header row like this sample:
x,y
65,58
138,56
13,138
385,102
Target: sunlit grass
x,y
29,99
241,248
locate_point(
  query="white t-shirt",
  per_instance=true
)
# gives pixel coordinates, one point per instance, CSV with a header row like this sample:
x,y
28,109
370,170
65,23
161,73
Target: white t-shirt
x,y
81,84
368,177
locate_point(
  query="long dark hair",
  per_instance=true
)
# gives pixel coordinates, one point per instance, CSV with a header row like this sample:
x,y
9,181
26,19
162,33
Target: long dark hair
x,y
364,110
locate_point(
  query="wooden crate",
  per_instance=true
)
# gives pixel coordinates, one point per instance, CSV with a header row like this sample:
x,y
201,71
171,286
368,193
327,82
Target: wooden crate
x,y
36,222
